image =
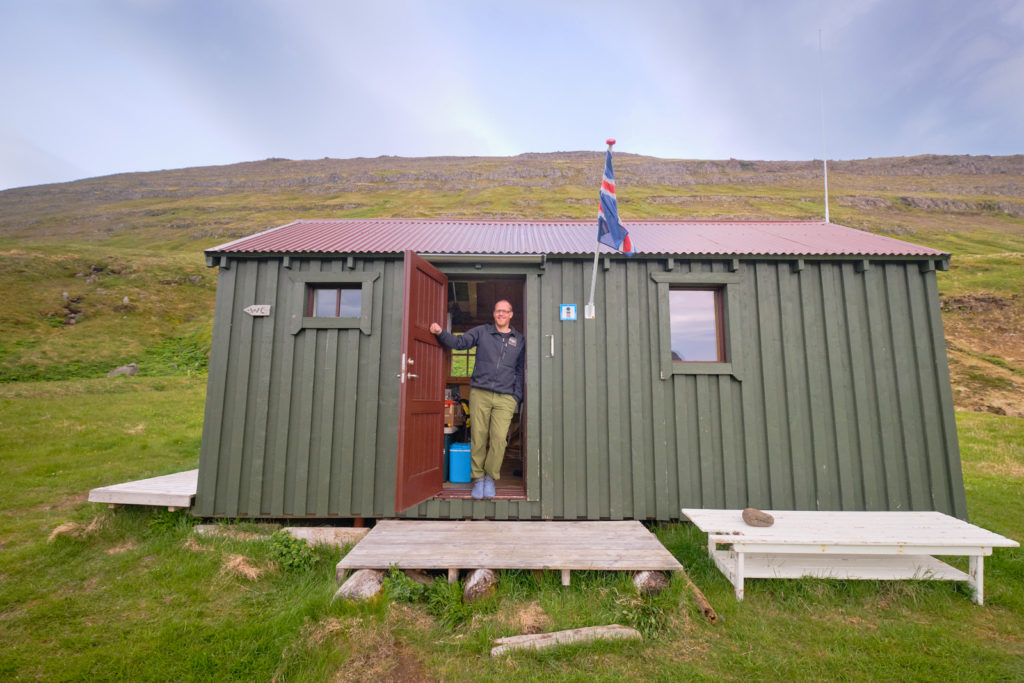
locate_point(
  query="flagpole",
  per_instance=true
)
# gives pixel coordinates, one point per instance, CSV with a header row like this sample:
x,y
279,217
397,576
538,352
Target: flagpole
x,y
589,311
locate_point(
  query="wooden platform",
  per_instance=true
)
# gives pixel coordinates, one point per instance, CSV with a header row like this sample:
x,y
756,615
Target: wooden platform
x,y
173,491
846,545
563,546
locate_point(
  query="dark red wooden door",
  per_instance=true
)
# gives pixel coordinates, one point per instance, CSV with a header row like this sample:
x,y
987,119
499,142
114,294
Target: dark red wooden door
x,y
421,393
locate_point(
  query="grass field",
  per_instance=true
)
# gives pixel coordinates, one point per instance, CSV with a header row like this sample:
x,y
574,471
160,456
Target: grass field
x,y
134,594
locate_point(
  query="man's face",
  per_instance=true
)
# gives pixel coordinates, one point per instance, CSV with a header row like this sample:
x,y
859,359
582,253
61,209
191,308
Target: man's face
x,y
502,313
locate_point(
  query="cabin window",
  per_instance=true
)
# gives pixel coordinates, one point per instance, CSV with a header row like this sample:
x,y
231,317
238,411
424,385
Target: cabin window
x,y
344,301
699,322
696,329
331,300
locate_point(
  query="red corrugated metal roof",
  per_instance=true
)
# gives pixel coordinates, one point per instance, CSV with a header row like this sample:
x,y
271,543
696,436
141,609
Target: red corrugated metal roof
x,y
435,236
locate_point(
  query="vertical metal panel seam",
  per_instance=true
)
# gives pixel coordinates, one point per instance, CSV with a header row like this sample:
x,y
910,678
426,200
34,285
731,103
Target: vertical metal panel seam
x,y
382,388
868,429
915,452
328,374
635,408
593,376
896,321
840,387
779,480
882,372
928,389
216,392
954,467
661,402
819,400
264,377
548,402
239,367
755,435
531,443
614,309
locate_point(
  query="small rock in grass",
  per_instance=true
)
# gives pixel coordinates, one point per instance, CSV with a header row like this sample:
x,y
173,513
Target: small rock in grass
x,y
130,369
650,582
481,582
755,517
362,585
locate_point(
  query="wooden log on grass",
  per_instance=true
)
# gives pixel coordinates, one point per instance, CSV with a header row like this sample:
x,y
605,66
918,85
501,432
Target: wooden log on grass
x,y
698,597
538,641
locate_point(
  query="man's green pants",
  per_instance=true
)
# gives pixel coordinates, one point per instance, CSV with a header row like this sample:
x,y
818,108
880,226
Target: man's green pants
x,y
490,414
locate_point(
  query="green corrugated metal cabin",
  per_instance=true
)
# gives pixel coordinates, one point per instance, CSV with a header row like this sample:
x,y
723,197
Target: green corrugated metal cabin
x,y
774,364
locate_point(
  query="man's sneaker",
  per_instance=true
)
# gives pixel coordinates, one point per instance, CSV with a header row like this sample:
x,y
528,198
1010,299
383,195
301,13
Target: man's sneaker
x,y
478,488
488,486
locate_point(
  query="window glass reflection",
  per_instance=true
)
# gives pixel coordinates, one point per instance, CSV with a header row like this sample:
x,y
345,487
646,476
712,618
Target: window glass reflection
x,y
694,325
325,303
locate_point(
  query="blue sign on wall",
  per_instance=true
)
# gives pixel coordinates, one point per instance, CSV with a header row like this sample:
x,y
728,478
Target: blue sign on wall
x,y
567,311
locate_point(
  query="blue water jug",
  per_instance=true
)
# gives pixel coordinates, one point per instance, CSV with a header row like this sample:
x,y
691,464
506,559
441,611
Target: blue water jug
x,y
459,463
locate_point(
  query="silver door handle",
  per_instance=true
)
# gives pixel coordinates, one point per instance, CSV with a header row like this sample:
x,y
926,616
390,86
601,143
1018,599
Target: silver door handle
x,y
411,375
552,338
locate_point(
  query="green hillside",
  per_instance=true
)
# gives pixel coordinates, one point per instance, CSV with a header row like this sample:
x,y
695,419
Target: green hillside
x,y
105,271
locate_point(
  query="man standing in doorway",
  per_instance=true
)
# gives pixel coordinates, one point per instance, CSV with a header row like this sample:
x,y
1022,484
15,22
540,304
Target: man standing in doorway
x,y
496,389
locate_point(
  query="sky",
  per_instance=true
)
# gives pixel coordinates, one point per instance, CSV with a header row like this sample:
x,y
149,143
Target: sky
x,y
96,87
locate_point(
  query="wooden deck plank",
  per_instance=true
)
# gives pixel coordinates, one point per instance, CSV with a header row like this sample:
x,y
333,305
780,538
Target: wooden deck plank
x,y
420,544
171,490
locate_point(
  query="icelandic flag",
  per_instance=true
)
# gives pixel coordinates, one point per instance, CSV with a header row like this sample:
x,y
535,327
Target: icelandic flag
x,y
609,229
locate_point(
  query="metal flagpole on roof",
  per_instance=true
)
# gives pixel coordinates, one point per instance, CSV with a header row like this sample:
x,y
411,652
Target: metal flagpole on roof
x,y
821,95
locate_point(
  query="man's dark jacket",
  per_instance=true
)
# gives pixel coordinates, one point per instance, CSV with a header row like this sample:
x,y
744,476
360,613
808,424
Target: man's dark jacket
x,y
499,357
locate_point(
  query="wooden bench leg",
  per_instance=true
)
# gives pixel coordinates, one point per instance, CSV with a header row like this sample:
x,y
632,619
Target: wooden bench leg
x,y
738,583
976,579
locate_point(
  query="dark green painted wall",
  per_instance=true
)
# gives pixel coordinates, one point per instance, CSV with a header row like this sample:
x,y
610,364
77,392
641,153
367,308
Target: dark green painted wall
x,y
837,395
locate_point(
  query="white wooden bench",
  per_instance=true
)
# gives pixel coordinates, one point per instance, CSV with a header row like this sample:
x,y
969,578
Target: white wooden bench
x,y
846,545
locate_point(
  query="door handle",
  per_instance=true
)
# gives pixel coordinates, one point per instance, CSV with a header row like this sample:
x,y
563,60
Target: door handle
x,y
552,338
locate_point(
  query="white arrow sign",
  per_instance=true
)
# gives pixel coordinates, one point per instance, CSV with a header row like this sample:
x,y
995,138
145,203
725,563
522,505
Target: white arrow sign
x,y
258,310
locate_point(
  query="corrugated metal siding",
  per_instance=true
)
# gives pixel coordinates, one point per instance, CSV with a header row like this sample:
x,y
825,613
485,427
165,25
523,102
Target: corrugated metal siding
x,y
842,400
431,236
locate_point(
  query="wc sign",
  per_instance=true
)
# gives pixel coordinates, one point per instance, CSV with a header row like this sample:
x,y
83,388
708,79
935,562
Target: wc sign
x,y
567,312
